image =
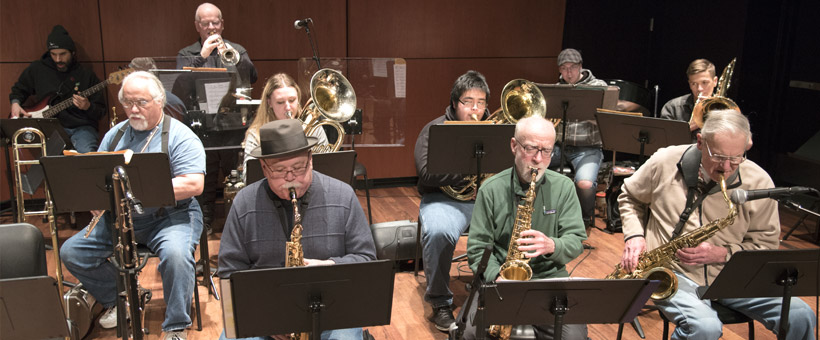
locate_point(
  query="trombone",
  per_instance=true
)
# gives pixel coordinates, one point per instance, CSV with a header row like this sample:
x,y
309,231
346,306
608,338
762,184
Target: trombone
x,y
717,102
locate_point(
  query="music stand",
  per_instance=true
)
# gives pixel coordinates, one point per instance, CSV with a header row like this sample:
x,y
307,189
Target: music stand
x,y
470,149
640,135
149,173
564,301
307,299
338,165
767,273
571,102
30,308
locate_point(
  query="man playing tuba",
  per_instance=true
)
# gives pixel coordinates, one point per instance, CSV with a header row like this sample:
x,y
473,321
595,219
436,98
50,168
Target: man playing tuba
x,y
261,219
556,227
658,194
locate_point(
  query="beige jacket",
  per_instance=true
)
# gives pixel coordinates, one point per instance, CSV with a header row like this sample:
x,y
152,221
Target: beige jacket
x,y
656,193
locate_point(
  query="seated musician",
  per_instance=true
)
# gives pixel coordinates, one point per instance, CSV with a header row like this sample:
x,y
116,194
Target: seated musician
x,y
702,81
652,207
261,219
171,232
58,74
444,217
281,99
555,234
583,140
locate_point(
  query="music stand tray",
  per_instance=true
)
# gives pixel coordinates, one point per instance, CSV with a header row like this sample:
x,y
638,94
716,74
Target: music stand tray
x,y
463,148
640,135
261,302
587,301
581,101
754,273
78,183
338,165
30,308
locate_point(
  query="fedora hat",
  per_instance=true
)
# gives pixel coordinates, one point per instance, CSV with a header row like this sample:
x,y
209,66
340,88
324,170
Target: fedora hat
x,y
281,138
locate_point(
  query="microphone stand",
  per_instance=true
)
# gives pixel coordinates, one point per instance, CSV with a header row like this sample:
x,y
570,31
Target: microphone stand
x,y
797,207
312,47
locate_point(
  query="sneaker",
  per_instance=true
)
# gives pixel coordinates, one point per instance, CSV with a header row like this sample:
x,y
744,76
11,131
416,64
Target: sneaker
x,y
108,319
443,318
176,335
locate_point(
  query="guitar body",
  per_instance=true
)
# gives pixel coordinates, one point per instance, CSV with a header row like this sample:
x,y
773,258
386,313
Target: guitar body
x,y
36,110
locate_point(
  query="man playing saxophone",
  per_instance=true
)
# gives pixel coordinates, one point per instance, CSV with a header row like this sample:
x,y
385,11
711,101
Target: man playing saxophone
x,y
556,230
261,219
674,193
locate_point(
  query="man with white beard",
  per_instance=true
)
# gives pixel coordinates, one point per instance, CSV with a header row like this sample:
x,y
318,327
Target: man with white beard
x,y
171,232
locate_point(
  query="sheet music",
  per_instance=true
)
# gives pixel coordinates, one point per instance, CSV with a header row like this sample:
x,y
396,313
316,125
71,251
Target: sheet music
x,y
400,79
214,93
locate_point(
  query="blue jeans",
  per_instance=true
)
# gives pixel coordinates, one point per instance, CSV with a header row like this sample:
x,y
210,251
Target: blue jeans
x,y
585,160
442,219
84,138
695,318
171,233
336,334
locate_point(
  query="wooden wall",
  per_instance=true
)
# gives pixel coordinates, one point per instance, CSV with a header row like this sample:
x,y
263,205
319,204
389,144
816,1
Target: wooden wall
x,y
439,39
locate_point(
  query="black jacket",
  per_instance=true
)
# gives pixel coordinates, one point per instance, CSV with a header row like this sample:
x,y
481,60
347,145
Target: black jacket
x,y
41,79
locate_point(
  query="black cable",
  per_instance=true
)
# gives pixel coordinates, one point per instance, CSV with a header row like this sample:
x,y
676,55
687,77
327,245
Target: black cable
x,y
579,262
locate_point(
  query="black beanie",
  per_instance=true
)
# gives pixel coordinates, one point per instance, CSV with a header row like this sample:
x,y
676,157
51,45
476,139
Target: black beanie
x,y
59,38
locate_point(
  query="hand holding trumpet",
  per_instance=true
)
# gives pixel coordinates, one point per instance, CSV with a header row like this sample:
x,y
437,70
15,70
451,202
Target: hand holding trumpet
x,y
227,54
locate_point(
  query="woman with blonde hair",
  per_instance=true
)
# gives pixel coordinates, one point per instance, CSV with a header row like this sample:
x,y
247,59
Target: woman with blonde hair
x,y
281,99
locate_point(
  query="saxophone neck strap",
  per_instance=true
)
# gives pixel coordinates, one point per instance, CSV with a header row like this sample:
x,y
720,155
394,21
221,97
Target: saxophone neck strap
x,y
689,166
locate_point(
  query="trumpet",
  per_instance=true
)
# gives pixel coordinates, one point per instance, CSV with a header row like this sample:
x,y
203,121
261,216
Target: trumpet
x,y
228,55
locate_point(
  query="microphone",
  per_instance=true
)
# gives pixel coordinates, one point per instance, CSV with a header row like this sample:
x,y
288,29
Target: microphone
x,y
302,23
740,196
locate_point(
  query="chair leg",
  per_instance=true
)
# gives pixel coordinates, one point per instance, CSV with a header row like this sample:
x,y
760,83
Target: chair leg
x,y
418,248
197,307
367,194
751,330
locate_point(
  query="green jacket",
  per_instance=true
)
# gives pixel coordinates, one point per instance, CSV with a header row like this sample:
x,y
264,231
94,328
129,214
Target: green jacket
x,y
556,213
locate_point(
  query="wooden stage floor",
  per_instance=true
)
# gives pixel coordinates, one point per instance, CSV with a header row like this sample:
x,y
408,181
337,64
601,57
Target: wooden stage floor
x,y
409,312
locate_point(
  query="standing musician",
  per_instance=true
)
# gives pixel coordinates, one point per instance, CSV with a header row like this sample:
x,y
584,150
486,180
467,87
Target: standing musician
x,y
281,99
205,53
583,140
171,232
652,205
556,230
58,73
261,218
702,81
445,218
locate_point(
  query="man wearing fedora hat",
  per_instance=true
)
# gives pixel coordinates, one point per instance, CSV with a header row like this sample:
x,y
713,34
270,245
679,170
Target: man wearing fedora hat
x,y
260,221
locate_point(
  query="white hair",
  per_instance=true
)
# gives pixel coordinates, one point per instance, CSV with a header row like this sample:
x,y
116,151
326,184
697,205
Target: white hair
x,y
203,5
155,88
725,122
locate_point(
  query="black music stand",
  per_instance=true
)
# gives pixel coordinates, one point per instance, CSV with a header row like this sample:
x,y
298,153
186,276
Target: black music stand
x,y
338,165
564,301
469,149
149,173
30,308
768,273
640,135
307,299
571,102
56,140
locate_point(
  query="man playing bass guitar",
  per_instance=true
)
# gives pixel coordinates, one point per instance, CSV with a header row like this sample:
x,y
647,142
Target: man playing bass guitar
x,y
55,77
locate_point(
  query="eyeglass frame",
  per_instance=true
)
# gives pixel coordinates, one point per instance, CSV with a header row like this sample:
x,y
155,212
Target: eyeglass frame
x,y
283,172
140,103
215,24
476,103
531,150
721,158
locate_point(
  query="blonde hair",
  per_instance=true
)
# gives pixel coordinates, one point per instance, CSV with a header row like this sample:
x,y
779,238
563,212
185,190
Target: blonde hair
x,y
264,113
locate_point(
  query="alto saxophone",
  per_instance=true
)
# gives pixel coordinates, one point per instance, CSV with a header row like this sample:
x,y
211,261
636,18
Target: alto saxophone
x,y
295,257
516,266
652,264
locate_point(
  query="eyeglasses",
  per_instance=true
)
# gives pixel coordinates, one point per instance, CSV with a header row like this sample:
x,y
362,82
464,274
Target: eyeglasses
x,y
281,172
733,160
472,103
140,103
206,24
570,67
530,150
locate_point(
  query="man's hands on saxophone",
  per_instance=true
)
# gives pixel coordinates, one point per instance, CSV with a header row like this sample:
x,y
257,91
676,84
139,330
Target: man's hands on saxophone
x,y
534,243
704,253
314,262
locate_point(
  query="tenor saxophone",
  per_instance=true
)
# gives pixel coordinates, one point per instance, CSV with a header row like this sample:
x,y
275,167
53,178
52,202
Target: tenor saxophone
x,y
652,264
295,257
516,266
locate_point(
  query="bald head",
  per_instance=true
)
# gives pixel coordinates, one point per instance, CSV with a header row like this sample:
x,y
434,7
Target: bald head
x,y
534,126
532,146
207,7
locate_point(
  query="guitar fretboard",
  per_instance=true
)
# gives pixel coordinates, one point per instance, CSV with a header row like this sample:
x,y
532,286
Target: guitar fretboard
x,y
54,110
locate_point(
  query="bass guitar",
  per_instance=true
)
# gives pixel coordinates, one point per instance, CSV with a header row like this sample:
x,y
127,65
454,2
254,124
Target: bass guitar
x,y
43,110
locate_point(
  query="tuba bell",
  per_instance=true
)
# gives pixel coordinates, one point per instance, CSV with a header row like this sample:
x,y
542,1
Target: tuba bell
x,y
717,102
520,98
332,102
